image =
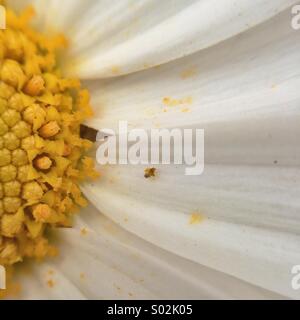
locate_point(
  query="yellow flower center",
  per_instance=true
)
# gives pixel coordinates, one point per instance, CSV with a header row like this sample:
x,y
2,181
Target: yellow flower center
x,y
41,152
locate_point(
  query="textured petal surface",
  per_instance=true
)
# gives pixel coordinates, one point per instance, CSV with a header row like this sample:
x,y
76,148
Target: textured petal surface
x,y
106,262
237,236
190,26
111,38
244,93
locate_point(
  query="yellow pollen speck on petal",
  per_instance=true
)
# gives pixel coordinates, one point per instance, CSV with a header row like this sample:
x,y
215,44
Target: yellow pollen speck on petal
x,y
184,110
50,283
188,73
82,276
149,65
115,70
170,102
196,218
83,231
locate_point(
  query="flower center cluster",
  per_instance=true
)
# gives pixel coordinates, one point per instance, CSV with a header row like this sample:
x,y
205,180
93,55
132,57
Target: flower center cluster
x,y
42,157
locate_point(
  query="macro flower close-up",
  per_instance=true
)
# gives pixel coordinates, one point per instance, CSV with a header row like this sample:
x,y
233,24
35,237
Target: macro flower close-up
x,y
74,225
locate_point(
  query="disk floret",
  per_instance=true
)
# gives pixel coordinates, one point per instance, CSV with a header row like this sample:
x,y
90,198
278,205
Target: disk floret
x,y
42,157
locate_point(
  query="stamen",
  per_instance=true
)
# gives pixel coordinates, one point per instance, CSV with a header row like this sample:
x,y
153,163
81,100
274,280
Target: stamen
x,y
49,130
42,162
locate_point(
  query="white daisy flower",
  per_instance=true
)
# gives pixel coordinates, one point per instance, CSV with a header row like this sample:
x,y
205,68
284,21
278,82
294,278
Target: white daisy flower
x,y
230,67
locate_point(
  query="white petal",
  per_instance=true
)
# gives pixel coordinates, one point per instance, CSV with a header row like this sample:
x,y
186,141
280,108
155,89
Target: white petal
x,y
110,38
167,30
247,85
248,231
245,94
110,263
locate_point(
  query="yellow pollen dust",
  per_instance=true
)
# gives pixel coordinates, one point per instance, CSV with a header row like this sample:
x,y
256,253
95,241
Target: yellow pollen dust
x,y
83,232
170,102
196,218
42,157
